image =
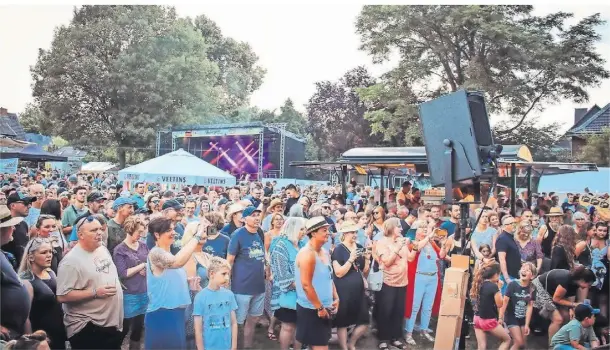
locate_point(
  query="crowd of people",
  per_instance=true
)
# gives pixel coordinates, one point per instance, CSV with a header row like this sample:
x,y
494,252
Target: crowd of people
x,y
87,263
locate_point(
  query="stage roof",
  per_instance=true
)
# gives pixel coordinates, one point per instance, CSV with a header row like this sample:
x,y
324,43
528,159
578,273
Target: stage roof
x,y
375,158
251,128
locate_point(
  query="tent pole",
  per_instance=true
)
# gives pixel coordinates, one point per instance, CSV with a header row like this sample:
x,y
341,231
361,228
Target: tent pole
x,y
513,188
529,187
382,195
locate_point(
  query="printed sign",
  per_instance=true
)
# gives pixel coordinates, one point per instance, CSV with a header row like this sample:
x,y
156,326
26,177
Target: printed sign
x,y
9,165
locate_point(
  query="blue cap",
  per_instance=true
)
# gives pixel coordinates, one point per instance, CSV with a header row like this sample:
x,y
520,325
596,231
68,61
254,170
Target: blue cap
x,y
172,204
583,311
121,201
73,178
249,211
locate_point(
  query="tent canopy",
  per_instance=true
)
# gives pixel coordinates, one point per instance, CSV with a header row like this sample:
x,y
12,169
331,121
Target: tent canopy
x,y
178,167
98,167
33,152
596,181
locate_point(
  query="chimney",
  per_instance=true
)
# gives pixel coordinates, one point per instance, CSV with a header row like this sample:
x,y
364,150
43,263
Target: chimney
x,y
578,114
3,112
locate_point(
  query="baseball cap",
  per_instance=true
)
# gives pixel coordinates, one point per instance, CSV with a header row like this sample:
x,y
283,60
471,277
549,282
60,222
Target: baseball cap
x,y
95,196
121,201
249,211
19,197
222,201
583,311
172,204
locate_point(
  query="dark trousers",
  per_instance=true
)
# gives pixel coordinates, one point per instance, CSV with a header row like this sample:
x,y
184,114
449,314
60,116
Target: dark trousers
x,y
96,337
136,324
389,312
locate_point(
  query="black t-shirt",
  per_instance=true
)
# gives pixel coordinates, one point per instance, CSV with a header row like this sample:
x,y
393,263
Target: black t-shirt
x,y
506,243
550,280
487,308
519,298
405,227
15,301
289,203
559,258
20,240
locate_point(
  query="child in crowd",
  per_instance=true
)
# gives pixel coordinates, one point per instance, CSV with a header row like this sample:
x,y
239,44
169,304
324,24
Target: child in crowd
x,y
485,291
578,333
214,310
518,306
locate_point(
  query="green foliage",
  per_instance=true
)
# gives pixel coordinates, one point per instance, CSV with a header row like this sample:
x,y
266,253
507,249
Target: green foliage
x,y
539,139
239,74
116,74
335,115
597,149
33,120
522,62
295,120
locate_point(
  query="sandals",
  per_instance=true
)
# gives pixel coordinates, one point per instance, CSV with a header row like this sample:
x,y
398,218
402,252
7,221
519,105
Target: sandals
x,y
271,336
398,344
383,346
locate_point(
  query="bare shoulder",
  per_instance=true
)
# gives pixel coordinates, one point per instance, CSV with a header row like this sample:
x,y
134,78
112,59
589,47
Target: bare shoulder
x,y
305,256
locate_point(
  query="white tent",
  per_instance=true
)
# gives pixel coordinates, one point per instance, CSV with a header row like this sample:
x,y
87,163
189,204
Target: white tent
x,y
98,167
178,167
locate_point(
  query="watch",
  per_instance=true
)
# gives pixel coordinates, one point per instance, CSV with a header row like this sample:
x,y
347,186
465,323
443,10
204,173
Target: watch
x,y
320,308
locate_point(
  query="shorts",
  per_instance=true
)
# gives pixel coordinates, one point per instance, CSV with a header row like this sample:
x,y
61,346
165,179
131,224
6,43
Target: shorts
x,y
512,321
485,324
286,315
249,305
311,329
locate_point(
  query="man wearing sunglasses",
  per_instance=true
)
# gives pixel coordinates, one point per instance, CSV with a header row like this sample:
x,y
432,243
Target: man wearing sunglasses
x,y
89,288
508,251
19,204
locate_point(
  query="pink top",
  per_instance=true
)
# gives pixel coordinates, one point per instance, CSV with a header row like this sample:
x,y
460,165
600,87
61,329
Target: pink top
x,y
394,275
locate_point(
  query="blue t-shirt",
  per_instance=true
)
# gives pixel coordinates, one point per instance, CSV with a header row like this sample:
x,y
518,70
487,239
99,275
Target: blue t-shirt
x,y
449,227
139,200
215,308
217,246
32,217
249,267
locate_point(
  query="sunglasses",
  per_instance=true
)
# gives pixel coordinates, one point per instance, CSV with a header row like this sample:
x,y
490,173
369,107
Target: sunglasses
x,y
38,240
89,218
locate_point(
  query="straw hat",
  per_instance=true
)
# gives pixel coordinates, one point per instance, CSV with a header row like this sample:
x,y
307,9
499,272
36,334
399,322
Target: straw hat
x,y
555,211
276,202
5,217
234,208
348,226
315,224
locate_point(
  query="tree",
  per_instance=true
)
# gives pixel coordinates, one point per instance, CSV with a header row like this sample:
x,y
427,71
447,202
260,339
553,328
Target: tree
x,y
539,139
295,120
335,115
34,120
239,74
597,149
522,62
116,74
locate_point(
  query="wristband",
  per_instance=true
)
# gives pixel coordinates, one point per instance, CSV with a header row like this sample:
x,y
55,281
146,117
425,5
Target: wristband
x,y
94,293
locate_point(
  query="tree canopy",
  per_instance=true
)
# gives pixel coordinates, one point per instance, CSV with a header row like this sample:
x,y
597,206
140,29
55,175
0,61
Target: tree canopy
x,y
335,115
597,149
521,61
117,74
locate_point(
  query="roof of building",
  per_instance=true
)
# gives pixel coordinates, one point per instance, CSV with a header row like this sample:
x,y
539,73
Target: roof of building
x,y
70,152
592,122
10,126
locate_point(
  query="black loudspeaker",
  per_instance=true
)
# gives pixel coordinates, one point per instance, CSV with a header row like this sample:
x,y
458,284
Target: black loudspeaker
x,y
458,123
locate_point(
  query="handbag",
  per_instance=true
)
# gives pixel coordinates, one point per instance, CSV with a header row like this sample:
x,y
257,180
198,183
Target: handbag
x,y
288,300
375,278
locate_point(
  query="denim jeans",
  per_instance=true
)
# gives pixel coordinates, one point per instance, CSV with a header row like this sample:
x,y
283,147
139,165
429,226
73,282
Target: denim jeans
x,y
423,298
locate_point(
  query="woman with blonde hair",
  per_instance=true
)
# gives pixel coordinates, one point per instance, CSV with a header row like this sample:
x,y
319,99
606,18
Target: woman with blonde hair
x,y
277,221
130,259
40,281
393,254
283,252
44,228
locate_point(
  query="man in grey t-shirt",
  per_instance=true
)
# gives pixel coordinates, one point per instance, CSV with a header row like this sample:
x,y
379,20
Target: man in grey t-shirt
x,y
88,286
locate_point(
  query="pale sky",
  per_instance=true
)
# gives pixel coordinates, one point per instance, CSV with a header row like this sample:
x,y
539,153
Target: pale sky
x,y
298,45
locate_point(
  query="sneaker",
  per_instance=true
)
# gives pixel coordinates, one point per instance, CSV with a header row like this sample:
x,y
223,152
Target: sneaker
x,y
428,336
409,339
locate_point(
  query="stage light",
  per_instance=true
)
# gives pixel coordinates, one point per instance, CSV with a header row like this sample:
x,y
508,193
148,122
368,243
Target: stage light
x,y
246,155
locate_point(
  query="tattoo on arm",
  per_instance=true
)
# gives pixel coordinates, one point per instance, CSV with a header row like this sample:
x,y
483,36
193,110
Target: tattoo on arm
x,y
161,259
